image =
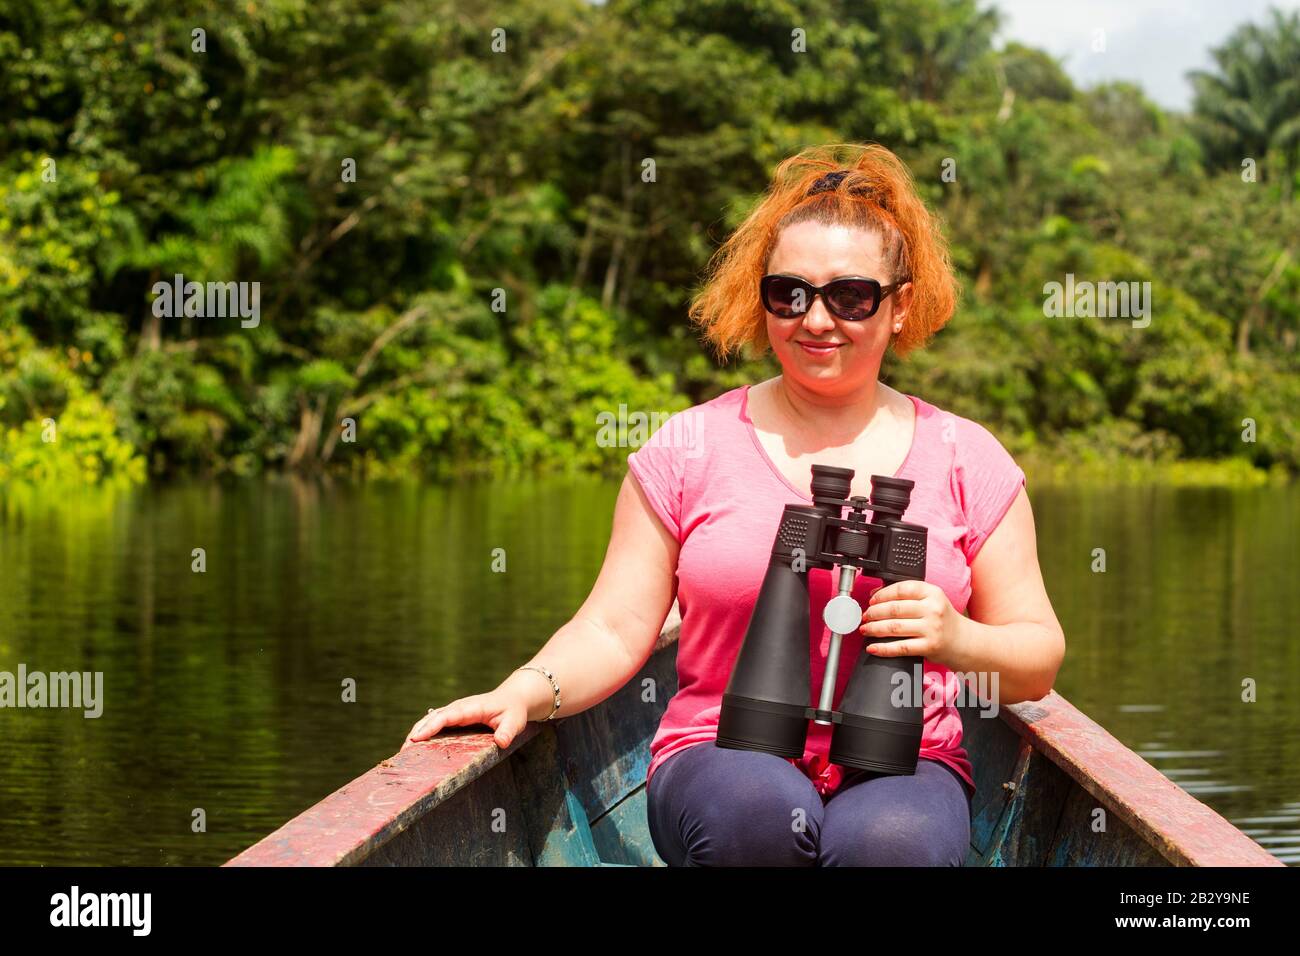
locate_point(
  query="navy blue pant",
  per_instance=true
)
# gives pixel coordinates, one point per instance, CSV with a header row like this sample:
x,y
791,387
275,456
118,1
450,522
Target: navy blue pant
x,y
710,806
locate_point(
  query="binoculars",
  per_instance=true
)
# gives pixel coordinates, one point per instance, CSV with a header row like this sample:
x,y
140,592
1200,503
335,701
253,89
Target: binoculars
x,y
766,703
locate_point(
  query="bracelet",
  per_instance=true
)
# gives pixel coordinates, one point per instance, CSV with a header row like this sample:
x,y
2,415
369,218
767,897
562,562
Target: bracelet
x,y
554,686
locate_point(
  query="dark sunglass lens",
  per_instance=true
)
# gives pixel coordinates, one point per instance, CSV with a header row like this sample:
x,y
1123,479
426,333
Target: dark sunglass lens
x,y
787,296
853,299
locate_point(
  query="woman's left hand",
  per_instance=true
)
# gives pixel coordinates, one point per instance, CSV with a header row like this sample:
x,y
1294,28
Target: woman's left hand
x,y
914,618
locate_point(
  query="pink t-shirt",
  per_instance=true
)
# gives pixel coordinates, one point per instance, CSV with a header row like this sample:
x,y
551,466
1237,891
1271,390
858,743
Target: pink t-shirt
x,y
718,493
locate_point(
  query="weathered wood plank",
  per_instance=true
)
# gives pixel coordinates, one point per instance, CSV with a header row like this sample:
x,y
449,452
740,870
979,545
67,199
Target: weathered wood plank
x,y
623,834
605,750
1076,844
554,818
349,824
1183,830
1036,793
482,825
993,749
1000,814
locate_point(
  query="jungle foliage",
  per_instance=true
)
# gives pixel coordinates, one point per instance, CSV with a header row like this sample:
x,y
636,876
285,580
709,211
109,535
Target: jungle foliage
x,y
499,273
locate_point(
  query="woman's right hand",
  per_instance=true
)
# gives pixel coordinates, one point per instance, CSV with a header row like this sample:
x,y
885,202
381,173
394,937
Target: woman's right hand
x,y
505,712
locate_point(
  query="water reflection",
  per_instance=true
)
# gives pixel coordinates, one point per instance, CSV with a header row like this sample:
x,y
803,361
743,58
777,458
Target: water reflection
x,y
224,689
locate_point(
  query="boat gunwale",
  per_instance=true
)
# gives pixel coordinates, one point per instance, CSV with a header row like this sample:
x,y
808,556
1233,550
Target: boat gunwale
x,y
1181,828
352,822
364,814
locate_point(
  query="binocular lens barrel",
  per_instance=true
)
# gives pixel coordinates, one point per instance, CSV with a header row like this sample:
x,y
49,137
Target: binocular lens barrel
x,y
767,703
763,707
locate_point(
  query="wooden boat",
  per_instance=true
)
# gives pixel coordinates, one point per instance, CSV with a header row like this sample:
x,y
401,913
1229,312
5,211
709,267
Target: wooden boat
x,y
572,793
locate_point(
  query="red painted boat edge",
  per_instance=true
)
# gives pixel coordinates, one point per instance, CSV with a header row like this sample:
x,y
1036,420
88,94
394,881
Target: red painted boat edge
x,y
364,814
1183,829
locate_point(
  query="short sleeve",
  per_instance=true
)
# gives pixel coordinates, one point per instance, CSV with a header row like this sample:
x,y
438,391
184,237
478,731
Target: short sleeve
x,y
987,481
659,467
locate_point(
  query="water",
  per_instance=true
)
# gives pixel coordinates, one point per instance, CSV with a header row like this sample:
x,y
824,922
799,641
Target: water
x,y
224,689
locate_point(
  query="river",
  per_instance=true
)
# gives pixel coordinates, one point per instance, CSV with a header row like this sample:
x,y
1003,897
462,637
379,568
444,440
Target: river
x,y
262,642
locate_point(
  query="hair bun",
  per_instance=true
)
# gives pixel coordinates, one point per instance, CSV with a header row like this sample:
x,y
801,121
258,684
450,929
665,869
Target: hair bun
x,y
828,183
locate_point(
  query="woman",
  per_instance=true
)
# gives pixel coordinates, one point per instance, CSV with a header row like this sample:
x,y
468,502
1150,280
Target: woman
x,y
696,515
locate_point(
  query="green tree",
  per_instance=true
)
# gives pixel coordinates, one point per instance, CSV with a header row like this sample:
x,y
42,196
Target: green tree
x,y
1249,107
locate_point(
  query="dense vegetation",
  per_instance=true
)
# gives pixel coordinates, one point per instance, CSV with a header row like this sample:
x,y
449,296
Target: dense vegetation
x,y
501,270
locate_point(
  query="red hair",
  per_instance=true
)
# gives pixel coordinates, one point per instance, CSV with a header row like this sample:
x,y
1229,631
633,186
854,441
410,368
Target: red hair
x,y
877,194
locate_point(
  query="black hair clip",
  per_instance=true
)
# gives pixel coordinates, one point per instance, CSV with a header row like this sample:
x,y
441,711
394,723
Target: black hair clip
x,y
828,183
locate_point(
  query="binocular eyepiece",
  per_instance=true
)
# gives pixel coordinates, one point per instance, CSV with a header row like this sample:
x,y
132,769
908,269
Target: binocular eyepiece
x,y
766,705
830,488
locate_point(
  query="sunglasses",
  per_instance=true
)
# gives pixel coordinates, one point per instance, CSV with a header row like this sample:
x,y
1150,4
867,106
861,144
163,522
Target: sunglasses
x,y
852,299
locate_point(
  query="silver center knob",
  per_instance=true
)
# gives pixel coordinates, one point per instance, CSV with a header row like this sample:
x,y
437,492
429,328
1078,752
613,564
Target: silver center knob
x,y
842,615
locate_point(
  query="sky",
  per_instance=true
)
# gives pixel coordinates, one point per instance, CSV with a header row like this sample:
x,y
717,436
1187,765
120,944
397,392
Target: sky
x,y
1151,42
